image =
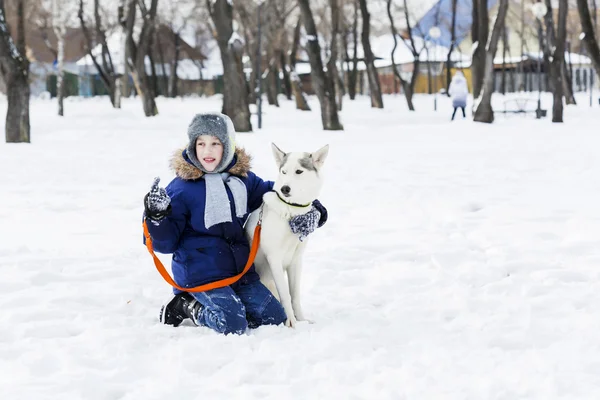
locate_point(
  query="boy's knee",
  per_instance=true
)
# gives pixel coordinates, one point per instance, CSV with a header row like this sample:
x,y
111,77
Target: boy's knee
x,y
273,314
231,323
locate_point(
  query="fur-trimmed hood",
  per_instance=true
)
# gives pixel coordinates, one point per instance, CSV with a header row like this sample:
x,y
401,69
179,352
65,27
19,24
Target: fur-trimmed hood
x,y
184,169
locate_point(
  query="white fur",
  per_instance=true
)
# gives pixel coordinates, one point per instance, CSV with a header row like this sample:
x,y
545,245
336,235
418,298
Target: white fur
x,y
280,250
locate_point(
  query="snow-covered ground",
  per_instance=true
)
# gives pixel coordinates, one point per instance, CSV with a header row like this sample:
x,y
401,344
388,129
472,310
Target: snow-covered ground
x,y
460,260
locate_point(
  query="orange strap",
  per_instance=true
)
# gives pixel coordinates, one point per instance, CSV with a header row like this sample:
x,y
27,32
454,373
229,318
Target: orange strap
x,y
208,286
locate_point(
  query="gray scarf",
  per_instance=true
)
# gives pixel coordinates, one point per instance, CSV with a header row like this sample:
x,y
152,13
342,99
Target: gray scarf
x,y
218,208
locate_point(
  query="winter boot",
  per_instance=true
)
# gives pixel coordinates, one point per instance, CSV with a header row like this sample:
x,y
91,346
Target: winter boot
x,y
178,308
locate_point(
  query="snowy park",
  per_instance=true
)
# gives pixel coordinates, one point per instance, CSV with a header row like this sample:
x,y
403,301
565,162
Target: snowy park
x,y
460,259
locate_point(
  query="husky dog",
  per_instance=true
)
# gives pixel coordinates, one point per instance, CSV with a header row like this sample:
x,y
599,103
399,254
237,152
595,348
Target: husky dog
x,y
298,184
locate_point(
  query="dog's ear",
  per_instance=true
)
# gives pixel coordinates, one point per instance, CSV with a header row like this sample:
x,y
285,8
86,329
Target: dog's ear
x,y
278,154
320,155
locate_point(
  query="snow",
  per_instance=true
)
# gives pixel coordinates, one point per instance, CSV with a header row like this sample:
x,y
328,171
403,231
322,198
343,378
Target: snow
x,y
460,260
235,37
576,59
382,47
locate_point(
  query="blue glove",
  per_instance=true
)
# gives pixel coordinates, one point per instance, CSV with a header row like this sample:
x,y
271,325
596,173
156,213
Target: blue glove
x,y
322,210
157,203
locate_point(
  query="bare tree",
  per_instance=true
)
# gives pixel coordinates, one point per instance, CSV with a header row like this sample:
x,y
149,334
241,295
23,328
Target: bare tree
x,y
235,92
373,76
274,33
175,16
245,13
14,68
106,70
504,49
301,103
353,73
595,9
138,51
172,89
332,69
283,11
522,36
567,77
589,34
451,49
408,87
558,58
479,34
59,24
484,111
322,83
554,52
122,86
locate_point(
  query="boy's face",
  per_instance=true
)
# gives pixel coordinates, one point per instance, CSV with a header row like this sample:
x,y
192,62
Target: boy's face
x,y
209,151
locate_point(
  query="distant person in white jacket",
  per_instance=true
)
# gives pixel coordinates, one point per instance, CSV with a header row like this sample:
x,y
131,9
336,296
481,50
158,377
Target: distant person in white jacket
x,y
459,91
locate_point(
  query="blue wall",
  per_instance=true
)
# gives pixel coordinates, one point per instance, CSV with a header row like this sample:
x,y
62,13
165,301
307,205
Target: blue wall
x,y
441,15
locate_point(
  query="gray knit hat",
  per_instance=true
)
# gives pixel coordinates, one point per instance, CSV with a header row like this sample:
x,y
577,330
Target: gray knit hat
x,y
214,124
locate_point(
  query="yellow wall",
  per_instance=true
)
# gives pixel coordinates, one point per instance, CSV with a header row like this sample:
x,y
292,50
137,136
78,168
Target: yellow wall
x,y
439,81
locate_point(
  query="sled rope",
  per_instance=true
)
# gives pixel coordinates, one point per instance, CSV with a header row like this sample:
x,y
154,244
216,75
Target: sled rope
x,y
208,286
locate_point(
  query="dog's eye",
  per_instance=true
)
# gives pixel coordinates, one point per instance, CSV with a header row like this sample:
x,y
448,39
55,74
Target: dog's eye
x,y
283,172
299,171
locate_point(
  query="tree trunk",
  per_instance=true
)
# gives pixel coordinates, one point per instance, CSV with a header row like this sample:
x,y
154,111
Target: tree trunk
x,y
14,68
373,76
251,41
478,68
558,61
106,71
408,88
567,77
451,49
301,103
332,68
484,111
252,82
17,115
123,85
235,95
173,73
60,83
271,81
521,63
353,74
138,52
503,81
429,77
154,77
58,22
587,26
322,83
164,80
595,9
287,84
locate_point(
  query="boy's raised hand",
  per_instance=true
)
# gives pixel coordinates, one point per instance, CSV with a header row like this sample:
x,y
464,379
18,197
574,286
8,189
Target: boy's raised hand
x,y
157,202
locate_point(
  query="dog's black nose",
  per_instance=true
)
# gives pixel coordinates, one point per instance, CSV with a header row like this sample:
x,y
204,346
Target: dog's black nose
x,y
285,189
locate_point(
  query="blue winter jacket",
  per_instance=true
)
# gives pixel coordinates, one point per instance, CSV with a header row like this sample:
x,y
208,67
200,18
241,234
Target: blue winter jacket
x,y
202,255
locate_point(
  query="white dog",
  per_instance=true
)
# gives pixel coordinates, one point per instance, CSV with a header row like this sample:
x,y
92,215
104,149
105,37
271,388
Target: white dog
x,y
298,184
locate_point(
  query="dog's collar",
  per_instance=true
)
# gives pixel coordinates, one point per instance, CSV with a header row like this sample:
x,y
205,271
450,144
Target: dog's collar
x,y
292,204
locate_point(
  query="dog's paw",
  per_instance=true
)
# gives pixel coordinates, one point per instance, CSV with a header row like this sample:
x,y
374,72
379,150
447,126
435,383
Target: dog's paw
x,y
302,318
291,322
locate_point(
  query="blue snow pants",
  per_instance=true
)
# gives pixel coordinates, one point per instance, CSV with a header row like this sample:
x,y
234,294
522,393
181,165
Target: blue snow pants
x,y
235,308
